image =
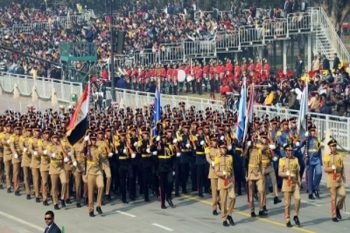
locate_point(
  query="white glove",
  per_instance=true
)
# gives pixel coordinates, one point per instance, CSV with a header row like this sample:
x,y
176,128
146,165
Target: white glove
x,y
249,143
173,173
224,172
275,158
66,159
229,147
272,146
212,163
70,154
307,134
202,143
8,141
297,143
25,149
124,151
35,153
292,175
174,141
110,154
154,152
222,138
158,138
133,155
287,173
178,154
188,145
15,156
333,167
86,138
148,150
75,164
135,144
116,151
53,155
45,152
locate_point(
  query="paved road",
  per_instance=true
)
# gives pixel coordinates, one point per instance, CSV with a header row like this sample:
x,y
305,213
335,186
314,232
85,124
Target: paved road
x,y
192,214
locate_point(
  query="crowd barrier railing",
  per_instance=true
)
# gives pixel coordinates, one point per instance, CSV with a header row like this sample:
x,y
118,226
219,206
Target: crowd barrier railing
x,y
45,88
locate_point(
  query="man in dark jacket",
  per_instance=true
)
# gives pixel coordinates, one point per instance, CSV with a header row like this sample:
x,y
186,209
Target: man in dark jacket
x,y
51,225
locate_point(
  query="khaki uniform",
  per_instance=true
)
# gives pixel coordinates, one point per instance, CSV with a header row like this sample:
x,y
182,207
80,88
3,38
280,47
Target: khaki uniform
x,y
7,158
35,144
94,177
224,172
2,134
45,167
335,180
79,169
255,178
16,160
68,166
57,171
290,185
211,153
26,159
267,170
104,148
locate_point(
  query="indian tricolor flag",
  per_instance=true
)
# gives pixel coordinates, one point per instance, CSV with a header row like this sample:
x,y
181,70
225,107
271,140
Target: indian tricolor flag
x,y
79,122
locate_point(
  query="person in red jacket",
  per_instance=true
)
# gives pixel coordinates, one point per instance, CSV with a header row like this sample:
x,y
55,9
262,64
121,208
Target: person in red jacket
x,y
258,66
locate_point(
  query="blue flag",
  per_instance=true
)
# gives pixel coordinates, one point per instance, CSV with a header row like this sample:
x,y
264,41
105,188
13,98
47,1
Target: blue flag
x,y
242,112
156,111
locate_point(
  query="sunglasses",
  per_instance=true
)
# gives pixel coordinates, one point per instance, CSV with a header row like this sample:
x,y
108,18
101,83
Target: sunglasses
x,y
48,218
289,150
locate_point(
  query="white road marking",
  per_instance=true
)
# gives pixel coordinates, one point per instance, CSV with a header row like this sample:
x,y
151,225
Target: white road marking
x,y
311,203
126,214
14,218
161,226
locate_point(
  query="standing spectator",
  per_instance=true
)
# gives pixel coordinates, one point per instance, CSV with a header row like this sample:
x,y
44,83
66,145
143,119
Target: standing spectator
x,y
325,63
336,62
299,66
51,225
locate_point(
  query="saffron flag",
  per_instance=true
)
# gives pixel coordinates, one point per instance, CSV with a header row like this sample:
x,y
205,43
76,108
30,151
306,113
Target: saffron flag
x,y
79,122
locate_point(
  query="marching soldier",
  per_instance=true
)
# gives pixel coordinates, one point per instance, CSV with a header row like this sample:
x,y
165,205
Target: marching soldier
x,y
255,178
334,167
185,159
2,134
212,153
199,147
26,157
94,174
16,157
289,172
147,167
34,144
45,165
124,164
6,142
224,170
68,165
56,171
106,151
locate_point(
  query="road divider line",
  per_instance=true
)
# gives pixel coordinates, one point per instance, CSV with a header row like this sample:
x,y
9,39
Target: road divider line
x,y
21,221
126,214
246,214
162,227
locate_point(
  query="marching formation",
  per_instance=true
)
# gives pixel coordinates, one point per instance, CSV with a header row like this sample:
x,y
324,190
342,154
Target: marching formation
x,y
187,150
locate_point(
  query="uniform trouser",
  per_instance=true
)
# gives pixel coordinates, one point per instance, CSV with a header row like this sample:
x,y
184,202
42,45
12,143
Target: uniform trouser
x,y
44,184
132,181
287,200
193,82
201,177
36,181
227,210
1,170
95,181
123,174
193,170
184,174
7,165
199,86
54,186
239,172
340,194
314,177
68,173
78,178
26,179
115,176
146,180
269,171
15,176
107,172
214,193
260,184
165,186
177,175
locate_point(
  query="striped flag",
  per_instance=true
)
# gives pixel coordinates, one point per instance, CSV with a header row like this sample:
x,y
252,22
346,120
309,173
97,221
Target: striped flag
x,y
302,123
79,122
242,112
249,112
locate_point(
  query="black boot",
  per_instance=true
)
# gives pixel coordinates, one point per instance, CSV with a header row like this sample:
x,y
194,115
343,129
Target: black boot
x,y
108,197
78,205
296,220
68,201
252,214
225,223
91,214
9,190
338,213
163,206
276,200
45,203
335,220
17,193
317,194
171,204
28,196
230,219
264,208
215,212
56,207
311,196
37,200
262,213
289,224
99,210
63,203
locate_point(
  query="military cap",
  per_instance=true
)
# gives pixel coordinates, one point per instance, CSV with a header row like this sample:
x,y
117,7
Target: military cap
x,y
332,142
287,146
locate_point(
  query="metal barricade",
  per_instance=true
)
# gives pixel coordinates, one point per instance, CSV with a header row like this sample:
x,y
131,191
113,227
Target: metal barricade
x,y
145,58
299,23
171,52
200,49
251,35
275,29
228,42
